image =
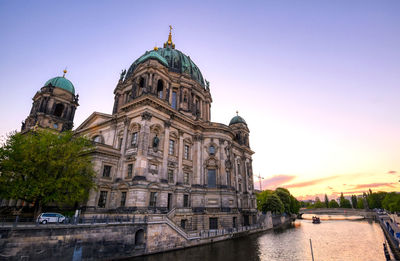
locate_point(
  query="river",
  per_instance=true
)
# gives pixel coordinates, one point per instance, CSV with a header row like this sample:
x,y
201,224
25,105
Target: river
x,y
332,240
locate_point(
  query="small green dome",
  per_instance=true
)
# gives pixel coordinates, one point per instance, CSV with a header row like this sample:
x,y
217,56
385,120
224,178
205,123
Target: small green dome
x,y
237,119
61,82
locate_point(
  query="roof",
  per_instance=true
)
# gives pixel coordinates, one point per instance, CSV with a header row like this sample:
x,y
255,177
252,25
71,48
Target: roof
x,y
61,82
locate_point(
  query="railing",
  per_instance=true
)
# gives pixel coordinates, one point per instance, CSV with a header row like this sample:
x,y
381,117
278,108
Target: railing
x,y
150,219
26,222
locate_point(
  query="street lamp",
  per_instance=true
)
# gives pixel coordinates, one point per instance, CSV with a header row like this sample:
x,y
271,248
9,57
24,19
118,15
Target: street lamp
x,y
259,179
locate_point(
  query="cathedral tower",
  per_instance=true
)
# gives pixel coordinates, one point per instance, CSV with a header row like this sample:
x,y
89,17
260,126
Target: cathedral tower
x,y
53,106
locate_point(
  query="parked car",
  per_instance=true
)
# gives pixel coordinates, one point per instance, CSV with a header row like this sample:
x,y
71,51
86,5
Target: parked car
x,y
45,218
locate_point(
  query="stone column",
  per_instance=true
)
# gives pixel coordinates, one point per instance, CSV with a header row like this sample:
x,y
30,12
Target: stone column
x,y
144,136
197,160
120,168
164,169
246,181
222,170
236,173
180,157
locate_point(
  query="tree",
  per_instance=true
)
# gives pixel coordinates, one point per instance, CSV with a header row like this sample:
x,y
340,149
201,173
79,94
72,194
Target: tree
x,y
391,202
360,203
354,201
284,196
44,167
318,203
344,203
326,201
375,199
294,205
273,204
333,204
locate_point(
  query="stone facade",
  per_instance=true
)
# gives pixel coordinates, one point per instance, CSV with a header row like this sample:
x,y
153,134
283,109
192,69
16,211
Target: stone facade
x,y
158,152
53,106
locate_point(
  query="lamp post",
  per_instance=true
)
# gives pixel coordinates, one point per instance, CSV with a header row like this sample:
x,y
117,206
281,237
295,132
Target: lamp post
x,y
259,180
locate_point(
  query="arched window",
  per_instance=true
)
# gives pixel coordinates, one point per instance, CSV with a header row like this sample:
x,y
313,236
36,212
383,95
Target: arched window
x,y
139,237
160,88
97,138
211,150
211,178
58,110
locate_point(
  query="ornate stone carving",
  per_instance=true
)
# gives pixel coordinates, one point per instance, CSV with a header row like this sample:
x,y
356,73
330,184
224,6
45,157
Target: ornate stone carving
x,y
198,137
127,121
146,116
167,123
228,164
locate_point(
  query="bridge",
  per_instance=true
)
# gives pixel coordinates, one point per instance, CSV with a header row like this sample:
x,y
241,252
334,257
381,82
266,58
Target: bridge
x,y
339,211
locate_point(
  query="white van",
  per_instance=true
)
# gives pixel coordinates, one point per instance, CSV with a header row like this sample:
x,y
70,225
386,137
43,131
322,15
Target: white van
x,y
51,218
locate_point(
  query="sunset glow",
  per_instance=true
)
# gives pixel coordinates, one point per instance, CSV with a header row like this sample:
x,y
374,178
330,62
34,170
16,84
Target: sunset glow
x,y
318,86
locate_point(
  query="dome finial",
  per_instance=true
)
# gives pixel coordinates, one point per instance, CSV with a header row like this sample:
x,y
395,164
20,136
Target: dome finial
x,y
237,113
65,71
169,43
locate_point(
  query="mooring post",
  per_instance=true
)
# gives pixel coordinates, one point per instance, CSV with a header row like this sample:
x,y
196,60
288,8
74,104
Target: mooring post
x,y
312,254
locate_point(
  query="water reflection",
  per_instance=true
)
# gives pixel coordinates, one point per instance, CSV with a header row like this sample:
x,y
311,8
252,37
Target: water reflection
x,y
332,217
332,240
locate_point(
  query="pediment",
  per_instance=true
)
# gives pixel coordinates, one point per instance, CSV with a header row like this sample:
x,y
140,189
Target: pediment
x,y
95,119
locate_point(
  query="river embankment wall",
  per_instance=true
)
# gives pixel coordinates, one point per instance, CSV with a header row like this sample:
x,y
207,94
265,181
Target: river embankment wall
x,y
391,231
113,240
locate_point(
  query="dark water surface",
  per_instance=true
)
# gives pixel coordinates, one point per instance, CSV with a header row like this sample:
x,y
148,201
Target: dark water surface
x,y
332,240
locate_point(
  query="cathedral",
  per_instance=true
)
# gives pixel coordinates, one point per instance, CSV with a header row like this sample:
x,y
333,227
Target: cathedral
x,y
159,152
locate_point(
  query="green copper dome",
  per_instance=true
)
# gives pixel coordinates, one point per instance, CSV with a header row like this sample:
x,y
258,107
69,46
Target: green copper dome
x,y
61,82
152,55
175,60
237,119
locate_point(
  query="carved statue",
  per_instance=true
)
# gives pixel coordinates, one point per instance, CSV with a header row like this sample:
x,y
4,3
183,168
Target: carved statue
x,y
207,84
167,94
122,75
156,141
133,92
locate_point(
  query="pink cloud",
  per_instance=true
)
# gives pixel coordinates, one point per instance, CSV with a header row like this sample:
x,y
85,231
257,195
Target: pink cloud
x,y
374,185
310,182
274,181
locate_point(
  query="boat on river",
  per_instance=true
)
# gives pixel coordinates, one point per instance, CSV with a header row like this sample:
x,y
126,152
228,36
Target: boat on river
x,y
316,220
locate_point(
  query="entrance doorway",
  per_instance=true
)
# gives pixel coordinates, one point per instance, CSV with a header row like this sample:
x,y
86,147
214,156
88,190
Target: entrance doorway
x,y
169,201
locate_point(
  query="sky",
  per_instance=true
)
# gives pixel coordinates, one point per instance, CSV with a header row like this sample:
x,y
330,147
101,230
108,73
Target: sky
x,y
316,81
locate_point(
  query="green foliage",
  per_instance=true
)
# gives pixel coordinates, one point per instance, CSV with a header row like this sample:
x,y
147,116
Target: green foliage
x,y
326,201
333,204
360,203
318,203
354,201
391,202
294,205
375,199
273,204
44,167
344,203
284,196
305,204
278,201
